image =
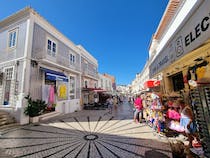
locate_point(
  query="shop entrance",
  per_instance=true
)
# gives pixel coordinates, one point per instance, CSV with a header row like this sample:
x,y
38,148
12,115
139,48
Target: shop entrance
x,y
177,81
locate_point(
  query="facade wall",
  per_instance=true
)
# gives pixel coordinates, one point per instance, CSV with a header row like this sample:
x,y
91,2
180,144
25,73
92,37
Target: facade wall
x,y
7,54
179,54
189,36
39,49
39,52
30,55
105,83
12,63
12,58
112,78
88,68
60,63
36,79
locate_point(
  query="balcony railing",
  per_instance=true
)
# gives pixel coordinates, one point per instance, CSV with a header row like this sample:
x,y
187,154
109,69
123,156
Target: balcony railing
x,y
58,59
89,73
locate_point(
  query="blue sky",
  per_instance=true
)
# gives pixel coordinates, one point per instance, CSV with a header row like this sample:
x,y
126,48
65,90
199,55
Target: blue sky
x,y
116,32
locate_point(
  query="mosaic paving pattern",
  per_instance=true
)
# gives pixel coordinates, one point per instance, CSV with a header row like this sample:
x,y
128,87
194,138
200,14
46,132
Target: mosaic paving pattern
x,y
91,136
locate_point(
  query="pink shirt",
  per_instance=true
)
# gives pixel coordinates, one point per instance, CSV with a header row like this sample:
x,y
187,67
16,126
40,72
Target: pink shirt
x,y
138,103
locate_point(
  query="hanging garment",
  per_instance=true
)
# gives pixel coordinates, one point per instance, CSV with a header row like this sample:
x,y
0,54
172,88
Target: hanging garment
x,y
62,91
45,93
188,75
192,74
200,71
207,72
52,94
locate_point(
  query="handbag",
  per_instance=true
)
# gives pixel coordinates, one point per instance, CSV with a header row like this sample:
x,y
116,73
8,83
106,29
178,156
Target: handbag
x,y
193,127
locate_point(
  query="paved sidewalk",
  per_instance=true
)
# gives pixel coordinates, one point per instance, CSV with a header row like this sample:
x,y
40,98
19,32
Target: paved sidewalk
x,y
88,133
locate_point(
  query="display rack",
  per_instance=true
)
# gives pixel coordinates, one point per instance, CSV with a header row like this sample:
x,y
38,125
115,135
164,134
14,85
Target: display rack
x,y
200,100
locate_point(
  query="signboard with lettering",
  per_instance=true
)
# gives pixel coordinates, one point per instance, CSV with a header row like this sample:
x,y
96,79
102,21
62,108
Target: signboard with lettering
x,y
193,34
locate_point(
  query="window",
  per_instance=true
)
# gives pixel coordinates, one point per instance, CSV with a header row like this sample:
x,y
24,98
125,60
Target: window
x,y
9,73
85,66
12,38
86,83
72,59
72,87
51,48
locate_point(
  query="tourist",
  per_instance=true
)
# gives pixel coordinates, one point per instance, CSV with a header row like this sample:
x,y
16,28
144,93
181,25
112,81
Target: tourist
x,y
110,104
188,122
138,109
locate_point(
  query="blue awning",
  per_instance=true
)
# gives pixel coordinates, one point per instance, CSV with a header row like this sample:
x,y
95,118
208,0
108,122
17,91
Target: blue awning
x,y
54,75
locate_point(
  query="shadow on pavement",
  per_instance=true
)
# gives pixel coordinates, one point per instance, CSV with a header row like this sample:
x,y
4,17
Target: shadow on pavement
x,y
85,134
155,154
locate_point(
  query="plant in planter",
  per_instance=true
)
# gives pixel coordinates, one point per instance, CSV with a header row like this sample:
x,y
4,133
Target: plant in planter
x,y
34,107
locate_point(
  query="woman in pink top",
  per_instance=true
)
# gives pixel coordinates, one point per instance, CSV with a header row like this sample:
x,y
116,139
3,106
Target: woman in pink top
x,y
138,109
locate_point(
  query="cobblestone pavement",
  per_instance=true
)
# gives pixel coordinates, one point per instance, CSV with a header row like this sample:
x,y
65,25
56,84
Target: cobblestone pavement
x,y
86,134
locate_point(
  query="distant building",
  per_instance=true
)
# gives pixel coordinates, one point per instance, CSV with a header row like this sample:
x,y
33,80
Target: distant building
x,y
112,79
122,89
105,83
89,76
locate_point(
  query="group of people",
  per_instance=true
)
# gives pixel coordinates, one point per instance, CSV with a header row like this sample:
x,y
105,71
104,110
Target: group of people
x,y
113,101
160,114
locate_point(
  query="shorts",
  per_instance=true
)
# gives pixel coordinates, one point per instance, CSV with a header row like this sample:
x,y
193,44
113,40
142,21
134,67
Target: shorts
x,y
110,106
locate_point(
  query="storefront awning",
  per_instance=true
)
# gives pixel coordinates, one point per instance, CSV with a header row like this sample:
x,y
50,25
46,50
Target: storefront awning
x,y
151,83
94,90
99,90
54,75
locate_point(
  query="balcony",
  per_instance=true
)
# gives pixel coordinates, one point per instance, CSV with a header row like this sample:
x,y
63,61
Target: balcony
x,y
44,56
89,73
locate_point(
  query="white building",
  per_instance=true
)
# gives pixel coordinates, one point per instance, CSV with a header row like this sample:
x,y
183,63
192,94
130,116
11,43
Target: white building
x,y
123,89
89,76
180,55
36,59
138,83
105,83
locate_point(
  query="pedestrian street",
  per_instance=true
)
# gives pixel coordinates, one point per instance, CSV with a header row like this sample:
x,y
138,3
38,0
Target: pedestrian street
x,y
86,134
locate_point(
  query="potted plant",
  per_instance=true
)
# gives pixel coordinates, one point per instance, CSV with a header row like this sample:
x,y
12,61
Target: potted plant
x,y
34,108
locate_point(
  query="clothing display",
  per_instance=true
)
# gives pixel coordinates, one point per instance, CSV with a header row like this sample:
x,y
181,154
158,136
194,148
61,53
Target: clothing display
x,y
200,71
197,71
173,114
51,95
175,125
62,91
45,93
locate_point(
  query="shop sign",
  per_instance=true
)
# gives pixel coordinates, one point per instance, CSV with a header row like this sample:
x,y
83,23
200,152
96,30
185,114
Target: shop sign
x,y
151,83
193,34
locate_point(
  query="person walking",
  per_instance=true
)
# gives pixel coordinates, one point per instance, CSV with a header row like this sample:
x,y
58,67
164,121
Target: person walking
x,y
115,102
110,104
138,109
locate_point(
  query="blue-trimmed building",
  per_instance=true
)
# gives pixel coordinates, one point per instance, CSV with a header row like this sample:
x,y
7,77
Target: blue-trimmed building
x,y
36,59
